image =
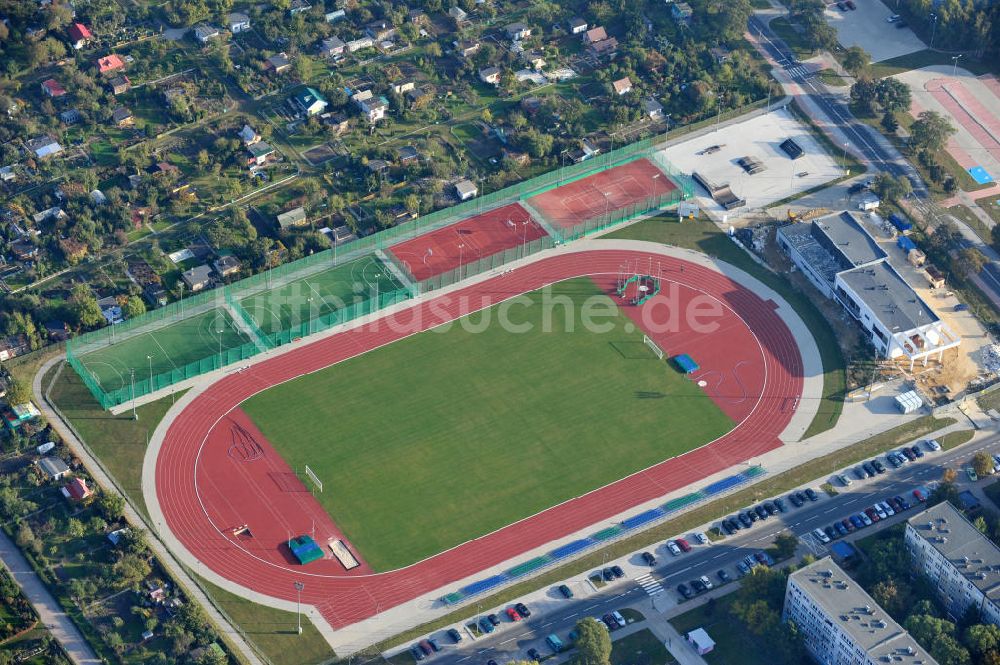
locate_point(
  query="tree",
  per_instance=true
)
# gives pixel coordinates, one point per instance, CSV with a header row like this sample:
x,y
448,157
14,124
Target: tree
x,y
593,642
856,60
982,639
864,94
893,95
75,528
112,506
971,262
949,476
130,571
982,462
133,307
17,392
785,544
84,307
889,122
930,131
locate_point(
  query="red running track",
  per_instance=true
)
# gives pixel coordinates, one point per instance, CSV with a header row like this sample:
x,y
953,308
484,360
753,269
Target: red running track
x,y
750,363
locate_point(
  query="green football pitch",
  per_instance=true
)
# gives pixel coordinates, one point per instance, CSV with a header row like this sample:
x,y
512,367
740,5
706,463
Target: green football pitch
x,y
283,307
164,349
455,432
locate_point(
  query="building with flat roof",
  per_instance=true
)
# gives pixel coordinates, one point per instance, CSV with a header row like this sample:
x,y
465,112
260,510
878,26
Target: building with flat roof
x,y
838,255
962,564
841,624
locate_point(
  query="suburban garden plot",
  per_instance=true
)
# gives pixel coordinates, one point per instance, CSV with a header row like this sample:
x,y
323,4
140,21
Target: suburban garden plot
x,y
474,427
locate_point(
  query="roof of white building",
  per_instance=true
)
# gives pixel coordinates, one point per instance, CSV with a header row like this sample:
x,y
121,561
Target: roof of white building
x,y
894,302
947,530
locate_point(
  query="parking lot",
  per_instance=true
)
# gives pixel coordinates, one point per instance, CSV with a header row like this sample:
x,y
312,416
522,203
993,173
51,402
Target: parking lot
x,y
716,157
867,27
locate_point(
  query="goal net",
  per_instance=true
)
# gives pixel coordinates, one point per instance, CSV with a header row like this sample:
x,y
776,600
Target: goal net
x,y
653,347
313,477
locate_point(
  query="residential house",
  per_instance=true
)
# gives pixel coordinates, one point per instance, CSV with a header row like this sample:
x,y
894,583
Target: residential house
x,y
44,146
205,33
458,14
339,122
119,85
467,47
490,75
111,310
278,63
534,59
12,346
681,12
122,117
605,47
594,35
155,294
70,116
73,249
332,46
417,17
260,153
465,190
372,107
226,266
518,31
79,35
76,489
335,15
652,108
57,331
198,278
292,218
238,22
23,250
531,105
110,63
299,6
377,166
54,213
309,101
404,87
380,30
248,135
407,153
7,174
577,25
52,88
622,86
419,95
53,468
357,44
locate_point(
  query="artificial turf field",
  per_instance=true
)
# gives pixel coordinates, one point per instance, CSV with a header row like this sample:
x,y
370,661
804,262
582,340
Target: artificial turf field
x,y
445,436
164,349
307,298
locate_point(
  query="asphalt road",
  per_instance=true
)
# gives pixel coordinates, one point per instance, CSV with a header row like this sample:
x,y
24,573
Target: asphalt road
x,y
511,640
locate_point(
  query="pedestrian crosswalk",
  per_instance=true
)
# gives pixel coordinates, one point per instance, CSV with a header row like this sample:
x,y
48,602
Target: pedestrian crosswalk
x,y
798,72
649,585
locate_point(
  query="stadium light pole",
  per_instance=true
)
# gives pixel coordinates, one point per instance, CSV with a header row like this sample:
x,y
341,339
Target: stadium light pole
x,y
298,604
150,359
607,205
135,414
847,171
934,18
954,65
461,256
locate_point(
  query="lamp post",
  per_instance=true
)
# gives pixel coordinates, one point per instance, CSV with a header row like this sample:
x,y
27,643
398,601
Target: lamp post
x,y
954,66
718,114
150,359
847,171
461,258
298,604
934,18
135,415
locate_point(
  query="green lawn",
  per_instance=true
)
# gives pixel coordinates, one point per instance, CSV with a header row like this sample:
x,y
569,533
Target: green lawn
x,y
733,642
473,429
921,59
640,648
706,237
788,33
163,350
311,297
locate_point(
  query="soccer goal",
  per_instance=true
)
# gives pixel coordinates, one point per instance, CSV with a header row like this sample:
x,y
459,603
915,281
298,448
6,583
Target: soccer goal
x,y
313,477
653,347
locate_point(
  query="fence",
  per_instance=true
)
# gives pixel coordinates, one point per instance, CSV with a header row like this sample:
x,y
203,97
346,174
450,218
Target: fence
x,y
229,297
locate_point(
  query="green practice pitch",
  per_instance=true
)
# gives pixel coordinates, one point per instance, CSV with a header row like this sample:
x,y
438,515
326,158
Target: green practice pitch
x,y
164,349
314,296
450,434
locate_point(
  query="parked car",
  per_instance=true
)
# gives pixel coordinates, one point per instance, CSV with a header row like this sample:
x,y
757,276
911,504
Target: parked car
x,y
879,467
894,460
493,619
673,548
727,527
707,582
764,558
865,518
743,568
649,558
796,501
565,591
887,508
971,473
455,636
684,590
830,532
843,479
915,449
811,494
872,515
608,574
534,655
745,520
933,445
701,537
919,495
869,469
879,511
857,522
617,571
780,505
486,625
683,544
840,528
909,454
619,618
849,525
513,614
770,508
761,513
522,609
417,653
610,622
821,536
434,644
843,7
698,586
723,576
860,473
850,4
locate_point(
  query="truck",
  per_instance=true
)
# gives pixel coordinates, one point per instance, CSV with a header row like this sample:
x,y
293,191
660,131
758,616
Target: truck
x,y
555,643
900,222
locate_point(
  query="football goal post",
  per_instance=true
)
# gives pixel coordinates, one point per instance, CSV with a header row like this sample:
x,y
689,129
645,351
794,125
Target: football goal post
x,y
313,477
657,351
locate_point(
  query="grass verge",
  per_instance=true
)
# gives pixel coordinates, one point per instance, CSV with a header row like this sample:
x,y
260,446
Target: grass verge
x,y
706,237
830,77
956,438
771,486
786,31
732,644
920,59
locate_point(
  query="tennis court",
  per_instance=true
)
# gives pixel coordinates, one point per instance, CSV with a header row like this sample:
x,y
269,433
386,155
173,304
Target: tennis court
x,y
466,241
163,350
602,193
305,299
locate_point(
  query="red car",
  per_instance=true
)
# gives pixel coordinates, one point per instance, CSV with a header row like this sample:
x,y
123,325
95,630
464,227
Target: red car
x,y
683,544
513,614
919,495
872,515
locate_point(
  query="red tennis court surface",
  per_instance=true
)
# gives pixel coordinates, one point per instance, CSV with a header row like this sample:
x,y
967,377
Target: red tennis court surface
x,y
215,472
979,121
596,195
471,239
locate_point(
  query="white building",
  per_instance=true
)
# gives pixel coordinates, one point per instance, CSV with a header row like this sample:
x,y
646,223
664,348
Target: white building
x,y
372,107
961,563
465,190
841,259
205,33
841,624
238,22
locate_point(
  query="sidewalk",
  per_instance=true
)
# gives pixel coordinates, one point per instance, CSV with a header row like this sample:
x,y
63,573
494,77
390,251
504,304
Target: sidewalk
x,y
59,624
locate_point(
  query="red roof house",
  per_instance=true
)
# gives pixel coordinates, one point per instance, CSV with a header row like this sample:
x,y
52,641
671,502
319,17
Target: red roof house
x,y
76,489
110,63
78,35
52,88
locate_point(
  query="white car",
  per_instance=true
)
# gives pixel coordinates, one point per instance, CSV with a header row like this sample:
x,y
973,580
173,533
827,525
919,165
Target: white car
x,y
878,511
707,582
892,19
887,508
674,549
701,538
820,536
933,444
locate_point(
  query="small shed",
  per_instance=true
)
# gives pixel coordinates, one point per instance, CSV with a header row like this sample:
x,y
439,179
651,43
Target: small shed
x,y
700,641
53,467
